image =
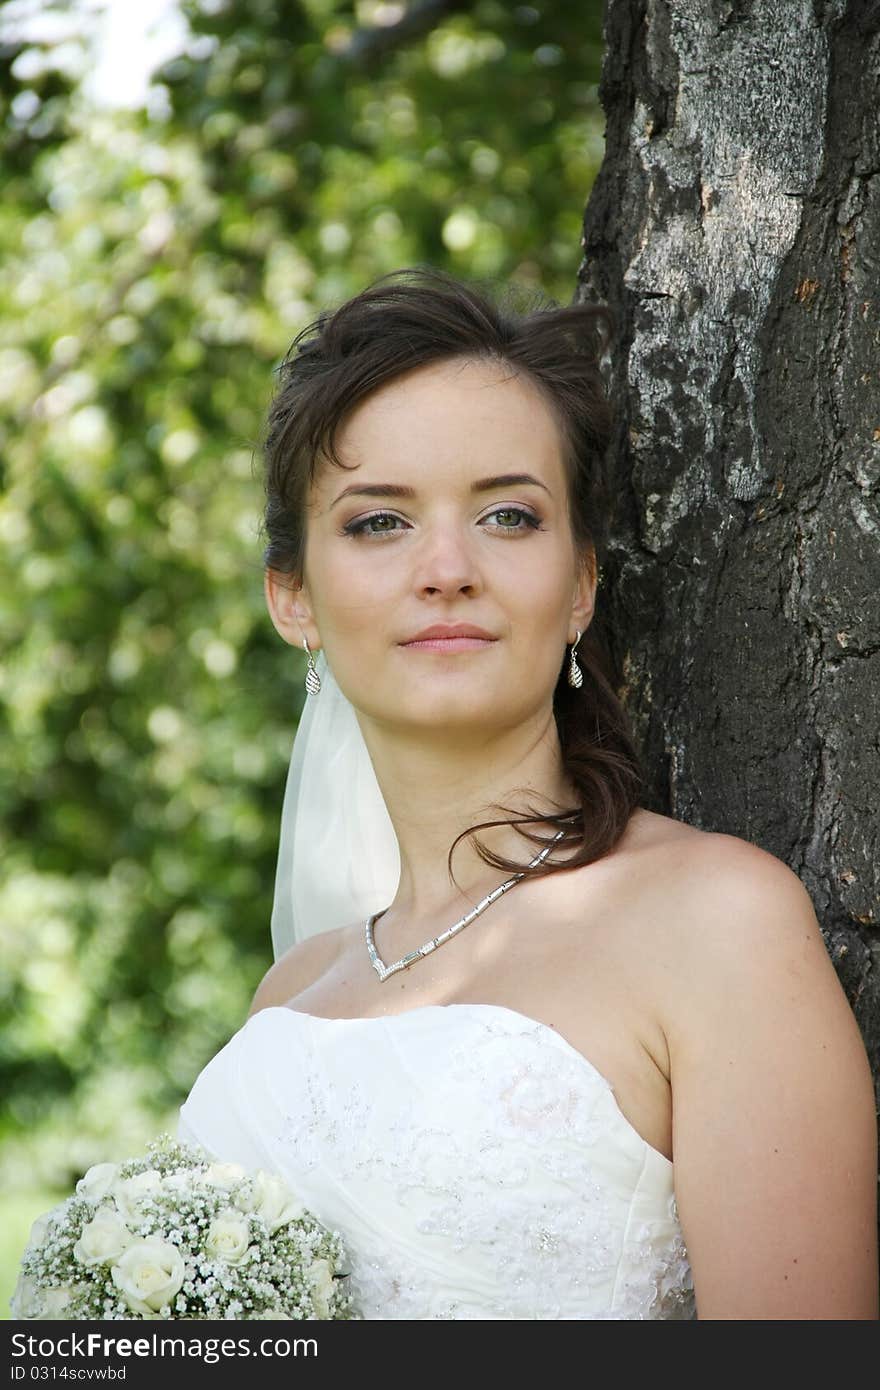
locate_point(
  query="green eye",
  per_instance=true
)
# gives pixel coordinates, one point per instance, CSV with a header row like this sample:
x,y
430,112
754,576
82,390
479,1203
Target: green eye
x,y
372,525
520,512
359,528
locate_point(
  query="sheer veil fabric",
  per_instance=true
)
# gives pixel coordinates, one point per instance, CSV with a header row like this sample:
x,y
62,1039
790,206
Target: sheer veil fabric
x,y
338,858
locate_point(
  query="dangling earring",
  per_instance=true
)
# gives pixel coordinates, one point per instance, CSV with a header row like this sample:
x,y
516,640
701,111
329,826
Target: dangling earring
x,y
313,680
575,674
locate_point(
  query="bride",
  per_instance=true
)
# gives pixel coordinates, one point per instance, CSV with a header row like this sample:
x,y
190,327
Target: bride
x,y
590,1062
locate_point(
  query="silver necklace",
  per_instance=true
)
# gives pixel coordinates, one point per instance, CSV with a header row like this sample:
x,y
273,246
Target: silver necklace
x,y
383,970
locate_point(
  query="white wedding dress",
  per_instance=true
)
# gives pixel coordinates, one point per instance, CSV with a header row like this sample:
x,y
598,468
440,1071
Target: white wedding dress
x,y
474,1163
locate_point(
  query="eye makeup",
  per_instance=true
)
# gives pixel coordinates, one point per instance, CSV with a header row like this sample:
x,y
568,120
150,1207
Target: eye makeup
x,y
360,527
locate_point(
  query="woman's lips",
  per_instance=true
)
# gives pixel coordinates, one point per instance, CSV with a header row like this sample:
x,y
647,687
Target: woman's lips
x,y
449,644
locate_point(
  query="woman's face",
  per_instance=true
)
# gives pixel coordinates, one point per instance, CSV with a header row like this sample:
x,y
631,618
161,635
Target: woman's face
x,y
423,531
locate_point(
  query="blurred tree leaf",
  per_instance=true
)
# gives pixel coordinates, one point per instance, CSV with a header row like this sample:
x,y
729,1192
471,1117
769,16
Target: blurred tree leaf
x,y
154,267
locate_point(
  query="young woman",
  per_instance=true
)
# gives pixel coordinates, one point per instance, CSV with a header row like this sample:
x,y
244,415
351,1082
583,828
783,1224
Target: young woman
x,y
607,1070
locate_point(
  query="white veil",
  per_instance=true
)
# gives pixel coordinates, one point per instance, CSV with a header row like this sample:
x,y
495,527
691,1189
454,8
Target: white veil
x,y
338,858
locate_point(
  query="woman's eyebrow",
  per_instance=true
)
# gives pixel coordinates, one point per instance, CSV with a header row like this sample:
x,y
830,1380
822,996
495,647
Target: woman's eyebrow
x,y
401,490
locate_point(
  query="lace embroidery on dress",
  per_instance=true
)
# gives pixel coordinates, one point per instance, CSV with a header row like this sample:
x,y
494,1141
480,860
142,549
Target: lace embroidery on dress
x,y
487,1157
659,1283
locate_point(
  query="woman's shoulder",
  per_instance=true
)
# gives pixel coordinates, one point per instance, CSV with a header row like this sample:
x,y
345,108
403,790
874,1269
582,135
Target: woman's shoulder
x,y
729,913
300,966
700,899
706,868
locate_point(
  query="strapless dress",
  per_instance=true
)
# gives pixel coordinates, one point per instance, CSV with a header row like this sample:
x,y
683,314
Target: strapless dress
x,y
475,1164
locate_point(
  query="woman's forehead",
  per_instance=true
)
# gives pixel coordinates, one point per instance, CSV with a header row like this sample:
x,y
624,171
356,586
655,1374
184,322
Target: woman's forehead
x,y
472,385
464,416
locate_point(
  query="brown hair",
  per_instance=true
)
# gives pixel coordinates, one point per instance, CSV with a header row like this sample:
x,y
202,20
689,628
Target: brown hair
x,y
420,315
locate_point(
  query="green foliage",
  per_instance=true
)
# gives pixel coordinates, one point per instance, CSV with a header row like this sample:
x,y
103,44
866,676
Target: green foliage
x,y
153,270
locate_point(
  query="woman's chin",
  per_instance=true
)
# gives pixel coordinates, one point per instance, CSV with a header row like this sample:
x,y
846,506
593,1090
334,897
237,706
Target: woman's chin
x,y
442,707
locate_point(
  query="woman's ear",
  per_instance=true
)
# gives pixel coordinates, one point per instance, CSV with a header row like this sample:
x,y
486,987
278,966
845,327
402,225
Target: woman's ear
x,y
290,610
584,594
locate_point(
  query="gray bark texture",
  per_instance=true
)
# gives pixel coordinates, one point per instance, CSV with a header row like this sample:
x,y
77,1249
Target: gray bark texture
x,y
734,231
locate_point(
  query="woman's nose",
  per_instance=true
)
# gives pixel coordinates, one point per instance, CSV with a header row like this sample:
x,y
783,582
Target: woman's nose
x,y
447,559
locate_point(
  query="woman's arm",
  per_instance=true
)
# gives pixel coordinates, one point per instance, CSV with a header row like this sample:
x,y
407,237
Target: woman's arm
x,y
774,1122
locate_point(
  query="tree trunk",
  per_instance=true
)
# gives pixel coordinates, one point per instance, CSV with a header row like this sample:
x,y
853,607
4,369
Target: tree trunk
x,y
735,232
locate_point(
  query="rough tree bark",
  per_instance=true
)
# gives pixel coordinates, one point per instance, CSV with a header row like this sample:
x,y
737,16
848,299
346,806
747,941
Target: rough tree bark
x,y
735,232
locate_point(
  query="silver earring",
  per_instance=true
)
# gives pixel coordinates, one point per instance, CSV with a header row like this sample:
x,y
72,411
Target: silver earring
x,y
313,680
575,674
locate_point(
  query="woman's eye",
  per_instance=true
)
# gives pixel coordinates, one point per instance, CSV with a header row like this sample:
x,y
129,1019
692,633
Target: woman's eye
x,y
374,525
519,512
359,528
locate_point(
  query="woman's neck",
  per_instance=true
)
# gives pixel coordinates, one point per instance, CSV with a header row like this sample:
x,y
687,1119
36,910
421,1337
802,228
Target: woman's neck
x,y
434,791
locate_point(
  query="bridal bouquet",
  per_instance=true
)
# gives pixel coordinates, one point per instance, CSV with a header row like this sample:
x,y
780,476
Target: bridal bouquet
x,y
173,1235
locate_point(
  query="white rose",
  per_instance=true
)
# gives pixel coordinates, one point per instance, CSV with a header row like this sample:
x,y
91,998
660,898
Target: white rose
x,y
130,1193
224,1174
31,1302
40,1230
55,1303
97,1182
247,1196
275,1202
27,1300
320,1277
149,1274
228,1238
177,1183
103,1239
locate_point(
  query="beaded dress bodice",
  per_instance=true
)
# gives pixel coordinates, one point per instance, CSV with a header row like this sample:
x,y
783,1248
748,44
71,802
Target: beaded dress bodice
x,y
474,1163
